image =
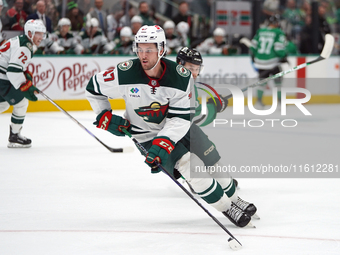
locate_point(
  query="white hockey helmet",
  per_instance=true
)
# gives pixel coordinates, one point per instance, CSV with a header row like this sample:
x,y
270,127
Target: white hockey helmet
x,y
136,19
93,22
151,34
64,22
183,27
34,25
126,31
169,24
1,3
219,32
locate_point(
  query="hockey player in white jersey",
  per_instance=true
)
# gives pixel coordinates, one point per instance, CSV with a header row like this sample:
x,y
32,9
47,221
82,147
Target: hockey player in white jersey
x,y
65,38
93,39
157,95
16,86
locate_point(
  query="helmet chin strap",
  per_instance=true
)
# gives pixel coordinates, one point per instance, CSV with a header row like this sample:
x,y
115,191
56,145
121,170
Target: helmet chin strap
x,y
159,57
31,38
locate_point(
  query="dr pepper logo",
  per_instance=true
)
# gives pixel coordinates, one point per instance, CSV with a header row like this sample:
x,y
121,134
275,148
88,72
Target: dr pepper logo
x,y
43,74
73,79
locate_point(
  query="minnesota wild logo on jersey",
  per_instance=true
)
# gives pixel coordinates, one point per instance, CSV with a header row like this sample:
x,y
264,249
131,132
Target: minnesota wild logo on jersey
x,y
154,113
124,66
182,71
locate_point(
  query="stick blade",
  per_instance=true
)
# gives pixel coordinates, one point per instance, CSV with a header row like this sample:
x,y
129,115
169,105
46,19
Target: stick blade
x,y
246,42
234,245
328,47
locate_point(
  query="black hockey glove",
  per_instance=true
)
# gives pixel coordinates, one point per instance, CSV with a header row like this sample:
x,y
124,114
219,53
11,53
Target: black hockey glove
x,y
219,107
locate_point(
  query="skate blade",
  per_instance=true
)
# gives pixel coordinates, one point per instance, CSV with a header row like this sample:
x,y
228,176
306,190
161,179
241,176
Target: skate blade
x,y
17,145
255,217
250,225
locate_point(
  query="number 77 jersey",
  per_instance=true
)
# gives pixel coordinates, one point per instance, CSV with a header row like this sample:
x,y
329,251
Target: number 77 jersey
x,y
154,106
15,55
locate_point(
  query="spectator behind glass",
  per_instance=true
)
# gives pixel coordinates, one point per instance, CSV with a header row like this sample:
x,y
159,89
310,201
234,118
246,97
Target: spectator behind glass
x,y
136,24
75,16
28,6
99,14
183,14
152,14
40,14
324,26
16,16
112,23
144,13
125,20
306,46
51,12
294,17
85,5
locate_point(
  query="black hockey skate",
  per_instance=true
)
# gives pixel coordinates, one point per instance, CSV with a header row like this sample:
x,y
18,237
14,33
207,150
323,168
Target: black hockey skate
x,y
245,206
18,141
237,216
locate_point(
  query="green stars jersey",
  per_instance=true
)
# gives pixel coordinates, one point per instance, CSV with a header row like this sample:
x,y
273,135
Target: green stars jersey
x,y
268,47
15,56
154,107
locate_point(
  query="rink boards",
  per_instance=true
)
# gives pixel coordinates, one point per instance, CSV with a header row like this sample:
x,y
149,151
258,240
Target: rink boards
x,y
64,79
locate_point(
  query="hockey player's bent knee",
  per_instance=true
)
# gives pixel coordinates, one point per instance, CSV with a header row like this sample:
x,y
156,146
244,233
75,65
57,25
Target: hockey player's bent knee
x,y
4,106
186,165
20,108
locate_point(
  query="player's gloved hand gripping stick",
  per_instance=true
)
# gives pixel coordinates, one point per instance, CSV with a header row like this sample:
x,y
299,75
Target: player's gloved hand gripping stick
x,y
233,242
28,88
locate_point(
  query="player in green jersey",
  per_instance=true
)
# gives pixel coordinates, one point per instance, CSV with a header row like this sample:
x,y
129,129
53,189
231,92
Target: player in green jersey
x,y
269,51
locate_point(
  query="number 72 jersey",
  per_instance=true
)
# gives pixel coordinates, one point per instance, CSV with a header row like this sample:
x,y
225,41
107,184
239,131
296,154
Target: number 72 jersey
x,y
15,55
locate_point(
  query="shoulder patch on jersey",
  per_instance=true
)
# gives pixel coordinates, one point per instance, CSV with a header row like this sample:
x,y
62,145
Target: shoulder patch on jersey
x,y
29,45
182,71
124,66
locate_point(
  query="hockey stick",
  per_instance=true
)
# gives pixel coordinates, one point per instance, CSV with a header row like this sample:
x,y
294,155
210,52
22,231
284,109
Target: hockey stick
x,y
326,52
233,242
126,149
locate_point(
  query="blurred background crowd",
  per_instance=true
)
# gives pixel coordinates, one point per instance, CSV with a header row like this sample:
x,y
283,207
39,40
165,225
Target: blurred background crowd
x,y
108,26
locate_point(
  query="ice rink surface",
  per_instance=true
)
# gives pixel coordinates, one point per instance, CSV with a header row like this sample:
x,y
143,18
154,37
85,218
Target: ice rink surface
x,y
69,195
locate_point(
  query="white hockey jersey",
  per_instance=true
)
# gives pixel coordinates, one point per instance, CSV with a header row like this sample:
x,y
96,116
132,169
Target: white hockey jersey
x,y
154,107
70,43
15,55
208,46
97,43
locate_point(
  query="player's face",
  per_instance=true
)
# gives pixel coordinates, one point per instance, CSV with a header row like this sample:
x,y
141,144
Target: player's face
x,y
218,39
92,31
38,37
194,69
64,29
148,55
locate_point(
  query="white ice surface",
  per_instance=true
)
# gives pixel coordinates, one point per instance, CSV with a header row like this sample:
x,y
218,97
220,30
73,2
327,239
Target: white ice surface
x,y
69,195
